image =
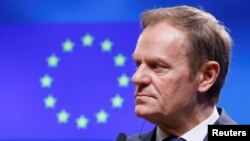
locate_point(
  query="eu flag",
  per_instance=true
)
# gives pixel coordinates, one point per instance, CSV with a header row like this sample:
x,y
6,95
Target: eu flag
x,y
67,81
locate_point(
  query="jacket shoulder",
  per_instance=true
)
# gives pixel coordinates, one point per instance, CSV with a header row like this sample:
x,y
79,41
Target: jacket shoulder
x,y
146,136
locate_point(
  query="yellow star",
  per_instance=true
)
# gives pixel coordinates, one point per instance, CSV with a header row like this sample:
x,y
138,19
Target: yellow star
x,y
119,60
106,45
46,81
63,116
53,61
87,40
102,116
123,80
82,122
117,101
50,101
68,45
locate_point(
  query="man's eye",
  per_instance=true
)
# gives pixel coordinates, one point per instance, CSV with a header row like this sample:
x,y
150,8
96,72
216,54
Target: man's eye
x,y
156,66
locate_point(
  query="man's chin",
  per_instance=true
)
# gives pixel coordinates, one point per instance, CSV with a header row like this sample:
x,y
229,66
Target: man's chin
x,y
141,111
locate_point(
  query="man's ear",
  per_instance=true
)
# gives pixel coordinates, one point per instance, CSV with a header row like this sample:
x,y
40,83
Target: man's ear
x,y
209,74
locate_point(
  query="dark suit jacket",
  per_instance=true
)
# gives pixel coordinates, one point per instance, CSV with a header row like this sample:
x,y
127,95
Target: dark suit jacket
x,y
224,119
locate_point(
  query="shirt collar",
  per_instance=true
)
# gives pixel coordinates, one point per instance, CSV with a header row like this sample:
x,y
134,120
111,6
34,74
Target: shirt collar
x,y
197,133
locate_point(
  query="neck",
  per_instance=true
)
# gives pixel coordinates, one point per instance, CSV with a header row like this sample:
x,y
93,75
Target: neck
x,y
187,120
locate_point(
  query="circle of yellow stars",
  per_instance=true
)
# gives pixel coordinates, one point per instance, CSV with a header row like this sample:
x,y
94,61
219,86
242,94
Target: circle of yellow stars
x,y
46,81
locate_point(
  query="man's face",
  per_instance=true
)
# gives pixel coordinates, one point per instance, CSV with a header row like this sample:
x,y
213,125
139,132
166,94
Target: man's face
x,y
162,79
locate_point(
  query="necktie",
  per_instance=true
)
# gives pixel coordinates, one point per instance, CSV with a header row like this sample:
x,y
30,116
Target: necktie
x,y
173,138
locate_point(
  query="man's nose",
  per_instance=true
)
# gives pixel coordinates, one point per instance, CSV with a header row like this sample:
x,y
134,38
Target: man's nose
x,y
141,76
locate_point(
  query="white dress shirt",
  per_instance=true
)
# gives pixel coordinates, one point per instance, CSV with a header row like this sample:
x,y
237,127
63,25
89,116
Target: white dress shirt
x,y
197,133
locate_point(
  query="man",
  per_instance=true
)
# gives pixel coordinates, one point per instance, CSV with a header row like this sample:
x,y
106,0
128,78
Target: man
x,y
182,59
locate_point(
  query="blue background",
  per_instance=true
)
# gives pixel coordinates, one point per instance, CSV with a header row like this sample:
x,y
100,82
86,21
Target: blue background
x,y
86,79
